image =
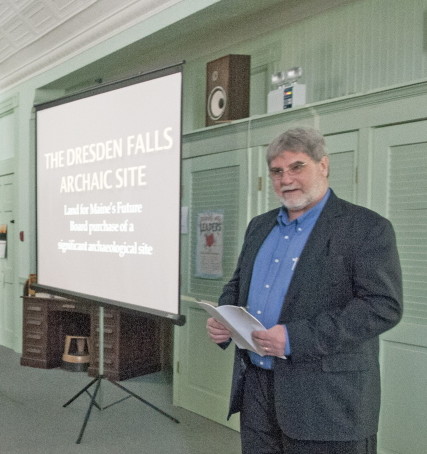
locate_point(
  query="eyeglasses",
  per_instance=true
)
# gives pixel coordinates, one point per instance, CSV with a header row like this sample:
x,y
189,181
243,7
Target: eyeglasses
x,y
276,173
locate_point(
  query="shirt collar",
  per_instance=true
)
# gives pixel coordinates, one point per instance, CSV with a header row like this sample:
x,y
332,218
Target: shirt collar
x,y
312,213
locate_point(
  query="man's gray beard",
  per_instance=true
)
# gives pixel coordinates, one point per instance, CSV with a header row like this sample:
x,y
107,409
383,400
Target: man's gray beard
x,y
292,207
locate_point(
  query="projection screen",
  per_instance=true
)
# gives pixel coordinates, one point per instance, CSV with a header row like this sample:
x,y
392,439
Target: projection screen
x,y
108,194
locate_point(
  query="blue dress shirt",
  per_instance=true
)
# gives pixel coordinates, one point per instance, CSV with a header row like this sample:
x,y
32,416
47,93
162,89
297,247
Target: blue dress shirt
x,y
274,267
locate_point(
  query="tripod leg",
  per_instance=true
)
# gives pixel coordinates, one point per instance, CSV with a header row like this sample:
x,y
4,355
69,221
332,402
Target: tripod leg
x,y
143,400
81,392
92,402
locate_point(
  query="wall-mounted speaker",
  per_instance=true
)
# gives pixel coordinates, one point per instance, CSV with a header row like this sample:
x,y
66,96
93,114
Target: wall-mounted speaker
x,y
227,89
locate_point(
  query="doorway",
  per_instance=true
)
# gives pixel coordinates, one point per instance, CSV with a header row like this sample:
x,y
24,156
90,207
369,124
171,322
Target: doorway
x,y
7,305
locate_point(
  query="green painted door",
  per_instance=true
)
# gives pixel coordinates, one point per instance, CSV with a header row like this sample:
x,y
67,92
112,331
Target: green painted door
x,y
7,303
215,184
399,191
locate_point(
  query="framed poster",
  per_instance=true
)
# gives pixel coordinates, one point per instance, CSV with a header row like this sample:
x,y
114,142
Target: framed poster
x,y
209,251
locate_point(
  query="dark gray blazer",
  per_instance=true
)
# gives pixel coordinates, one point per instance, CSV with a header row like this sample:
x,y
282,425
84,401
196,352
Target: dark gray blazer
x,y
346,291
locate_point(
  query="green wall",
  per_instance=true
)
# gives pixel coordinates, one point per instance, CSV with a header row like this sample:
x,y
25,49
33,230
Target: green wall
x,y
356,47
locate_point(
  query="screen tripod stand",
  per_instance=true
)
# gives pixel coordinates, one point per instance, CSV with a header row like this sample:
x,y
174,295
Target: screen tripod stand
x,y
97,383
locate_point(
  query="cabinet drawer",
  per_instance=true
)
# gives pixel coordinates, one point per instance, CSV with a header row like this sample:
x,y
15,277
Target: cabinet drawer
x,y
34,351
35,337
33,312
109,346
110,361
111,317
34,325
34,308
110,334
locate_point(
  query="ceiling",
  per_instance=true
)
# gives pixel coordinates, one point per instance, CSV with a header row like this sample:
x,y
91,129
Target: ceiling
x,y
36,35
24,22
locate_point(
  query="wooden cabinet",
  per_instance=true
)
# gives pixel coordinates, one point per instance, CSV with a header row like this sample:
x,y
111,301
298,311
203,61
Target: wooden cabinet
x,y
132,345
132,342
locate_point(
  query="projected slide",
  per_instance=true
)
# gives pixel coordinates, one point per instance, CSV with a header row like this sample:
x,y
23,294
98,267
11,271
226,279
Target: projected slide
x,y
108,195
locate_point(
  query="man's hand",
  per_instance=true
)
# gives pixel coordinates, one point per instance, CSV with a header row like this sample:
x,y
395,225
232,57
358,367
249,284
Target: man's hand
x,y
272,341
217,331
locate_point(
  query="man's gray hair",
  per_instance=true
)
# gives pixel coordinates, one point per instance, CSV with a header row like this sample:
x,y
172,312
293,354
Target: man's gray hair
x,y
306,140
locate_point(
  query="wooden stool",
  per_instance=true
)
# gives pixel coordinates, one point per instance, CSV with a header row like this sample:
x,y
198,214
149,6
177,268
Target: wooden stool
x,y
76,353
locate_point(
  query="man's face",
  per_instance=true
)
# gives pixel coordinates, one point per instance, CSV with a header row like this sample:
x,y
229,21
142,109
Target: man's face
x,y
302,182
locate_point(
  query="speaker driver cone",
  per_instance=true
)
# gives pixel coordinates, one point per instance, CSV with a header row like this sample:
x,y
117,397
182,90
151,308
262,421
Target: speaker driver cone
x,y
217,103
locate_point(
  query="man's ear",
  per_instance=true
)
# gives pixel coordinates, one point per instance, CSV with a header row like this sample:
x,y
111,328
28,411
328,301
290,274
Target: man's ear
x,y
324,165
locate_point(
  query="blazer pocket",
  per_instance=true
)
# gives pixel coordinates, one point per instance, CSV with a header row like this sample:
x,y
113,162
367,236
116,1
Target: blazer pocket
x,y
346,362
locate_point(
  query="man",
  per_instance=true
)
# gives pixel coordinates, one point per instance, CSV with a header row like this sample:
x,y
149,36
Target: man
x,y
323,276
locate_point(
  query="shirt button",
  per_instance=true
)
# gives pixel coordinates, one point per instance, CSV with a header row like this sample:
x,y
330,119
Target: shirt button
x,y
259,312
261,363
267,286
299,229
286,237
276,260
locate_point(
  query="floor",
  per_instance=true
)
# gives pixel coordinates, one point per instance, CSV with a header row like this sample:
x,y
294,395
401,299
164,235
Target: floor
x,y
34,420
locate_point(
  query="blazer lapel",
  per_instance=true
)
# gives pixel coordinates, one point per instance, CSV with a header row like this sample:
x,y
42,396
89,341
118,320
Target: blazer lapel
x,y
316,246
